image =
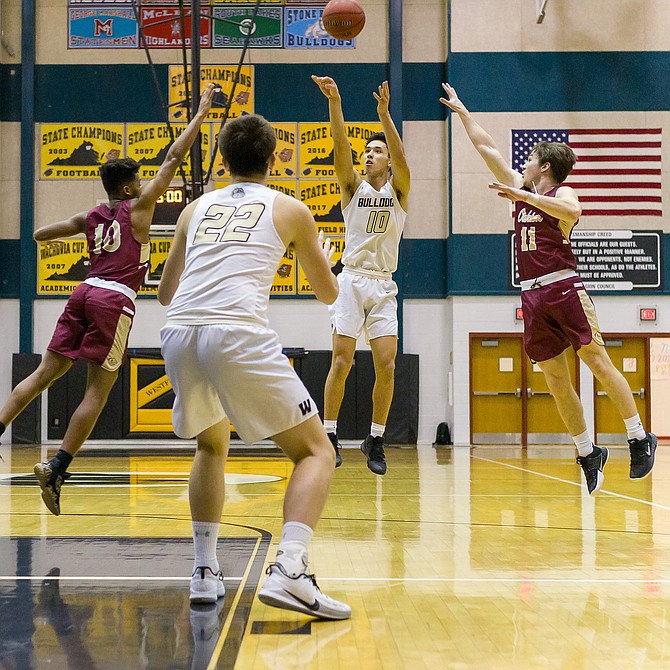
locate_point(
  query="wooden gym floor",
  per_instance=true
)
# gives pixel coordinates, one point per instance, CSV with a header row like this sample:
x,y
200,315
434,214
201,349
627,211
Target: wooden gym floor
x,y
484,558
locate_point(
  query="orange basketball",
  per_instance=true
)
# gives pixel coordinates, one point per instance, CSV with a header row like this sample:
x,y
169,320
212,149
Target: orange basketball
x,y
343,19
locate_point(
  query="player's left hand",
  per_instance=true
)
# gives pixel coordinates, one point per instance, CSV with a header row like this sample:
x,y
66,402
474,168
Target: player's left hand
x,y
383,97
509,192
206,100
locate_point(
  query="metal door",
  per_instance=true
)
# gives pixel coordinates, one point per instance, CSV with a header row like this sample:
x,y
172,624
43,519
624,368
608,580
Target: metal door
x,y
630,356
496,383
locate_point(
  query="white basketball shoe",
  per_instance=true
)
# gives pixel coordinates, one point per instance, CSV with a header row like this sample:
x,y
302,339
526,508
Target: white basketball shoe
x,y
289,586
206,585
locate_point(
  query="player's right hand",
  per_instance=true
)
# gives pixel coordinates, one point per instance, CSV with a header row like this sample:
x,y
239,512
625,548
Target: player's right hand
x,y
328,86
452,100
327,248
206,100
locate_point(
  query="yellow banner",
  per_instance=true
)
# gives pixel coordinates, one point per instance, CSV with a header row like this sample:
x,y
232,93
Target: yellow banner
x,y
304,287
223,76
160,247
286,164
316,147
75,150
323,199
149,143
285,279
61,266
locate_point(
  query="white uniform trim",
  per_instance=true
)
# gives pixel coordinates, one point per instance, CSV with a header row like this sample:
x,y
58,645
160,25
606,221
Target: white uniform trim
x,y
545,280
111,286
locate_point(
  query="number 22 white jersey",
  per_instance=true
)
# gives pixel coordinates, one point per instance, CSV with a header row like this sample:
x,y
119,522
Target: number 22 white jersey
x,y
374,221
232,253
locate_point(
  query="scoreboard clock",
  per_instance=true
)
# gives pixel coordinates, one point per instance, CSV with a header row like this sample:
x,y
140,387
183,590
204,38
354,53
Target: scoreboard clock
x,y
169,206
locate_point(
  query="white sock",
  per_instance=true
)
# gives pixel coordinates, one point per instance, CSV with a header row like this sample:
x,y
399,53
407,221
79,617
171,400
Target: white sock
x,y
634,428
205,536
377,430
295,532
330,426
584,443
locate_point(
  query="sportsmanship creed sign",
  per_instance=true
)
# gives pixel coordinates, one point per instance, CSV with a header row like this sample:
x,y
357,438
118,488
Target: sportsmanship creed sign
x,y
612,260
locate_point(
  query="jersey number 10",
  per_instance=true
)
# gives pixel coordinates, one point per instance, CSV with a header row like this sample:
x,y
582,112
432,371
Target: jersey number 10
x,y
378,221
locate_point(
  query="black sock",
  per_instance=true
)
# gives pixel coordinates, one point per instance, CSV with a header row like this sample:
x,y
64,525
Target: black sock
x,y
3,428
62,460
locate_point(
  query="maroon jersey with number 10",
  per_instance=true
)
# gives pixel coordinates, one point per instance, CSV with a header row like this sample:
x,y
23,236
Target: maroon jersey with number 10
x,y
541,247
114,253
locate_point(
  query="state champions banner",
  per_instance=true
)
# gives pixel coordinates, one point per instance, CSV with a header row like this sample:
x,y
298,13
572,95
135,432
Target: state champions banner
x,y
223,77
286,165
75,150
323,200
149,143
317,160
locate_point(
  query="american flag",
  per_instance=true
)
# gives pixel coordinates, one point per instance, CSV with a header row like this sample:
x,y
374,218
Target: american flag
x,y
618,170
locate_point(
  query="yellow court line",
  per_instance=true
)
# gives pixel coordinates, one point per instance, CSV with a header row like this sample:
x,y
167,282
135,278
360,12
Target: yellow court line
x,y
581,486
240,589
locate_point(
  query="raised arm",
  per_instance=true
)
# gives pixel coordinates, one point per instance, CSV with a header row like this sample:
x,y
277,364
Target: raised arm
x,y
482,141
174,264
399,168
54,231
347,177
295,225
143,207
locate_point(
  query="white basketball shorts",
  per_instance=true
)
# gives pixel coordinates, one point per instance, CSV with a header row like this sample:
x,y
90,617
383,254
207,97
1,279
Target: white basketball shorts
x,y
237,371
365,304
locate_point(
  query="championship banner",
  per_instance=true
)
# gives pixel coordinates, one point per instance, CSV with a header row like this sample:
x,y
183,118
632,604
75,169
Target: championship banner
x,y
246,2
102,28
61,266
289,188
75,150
232,24
304,287
284,281
286,164
323,200
316,147
223,77
160,247
149,143
162,27
303,29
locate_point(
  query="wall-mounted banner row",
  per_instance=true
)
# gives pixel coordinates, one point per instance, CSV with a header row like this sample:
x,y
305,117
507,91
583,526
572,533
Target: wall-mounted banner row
x,y
222,26
76,150
612,260
62,266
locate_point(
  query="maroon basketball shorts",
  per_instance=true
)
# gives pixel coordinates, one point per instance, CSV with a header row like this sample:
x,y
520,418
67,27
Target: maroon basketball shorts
x,y
557,316
94,325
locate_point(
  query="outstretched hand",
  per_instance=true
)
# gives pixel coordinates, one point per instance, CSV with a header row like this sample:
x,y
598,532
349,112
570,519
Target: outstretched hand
x,y
206,100
327,248
328,86
509,192
383,97
452,100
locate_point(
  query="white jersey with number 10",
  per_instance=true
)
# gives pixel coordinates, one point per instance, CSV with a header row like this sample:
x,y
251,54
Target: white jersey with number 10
x,y
374,221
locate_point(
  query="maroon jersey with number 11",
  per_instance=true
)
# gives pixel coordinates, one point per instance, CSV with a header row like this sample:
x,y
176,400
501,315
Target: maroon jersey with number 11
x,y
541,247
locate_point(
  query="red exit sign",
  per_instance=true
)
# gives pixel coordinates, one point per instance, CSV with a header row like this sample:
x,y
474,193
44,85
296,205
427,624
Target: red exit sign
x,y
647,314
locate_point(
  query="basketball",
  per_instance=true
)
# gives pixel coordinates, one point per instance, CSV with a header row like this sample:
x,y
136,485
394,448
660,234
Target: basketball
x,y
343,19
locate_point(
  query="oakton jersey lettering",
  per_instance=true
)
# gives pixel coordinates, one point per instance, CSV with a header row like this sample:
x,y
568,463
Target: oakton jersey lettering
x,y
374,221
540,245
232,254
114,253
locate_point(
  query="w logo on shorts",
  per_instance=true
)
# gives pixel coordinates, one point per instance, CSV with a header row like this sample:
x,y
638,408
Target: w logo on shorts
x,y
305,407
